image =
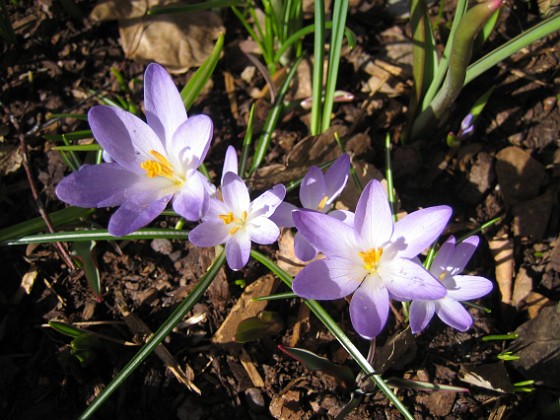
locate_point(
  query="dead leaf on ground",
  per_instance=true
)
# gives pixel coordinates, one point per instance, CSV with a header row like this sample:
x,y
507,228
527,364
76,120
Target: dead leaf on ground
x,y
520,176
530,218
502,251
493,376
312,150
177,41
538,348
245,308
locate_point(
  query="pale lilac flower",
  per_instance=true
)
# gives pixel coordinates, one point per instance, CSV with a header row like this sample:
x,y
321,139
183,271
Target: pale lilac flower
x,y
147,164
375,259
449,262
236,221
318,191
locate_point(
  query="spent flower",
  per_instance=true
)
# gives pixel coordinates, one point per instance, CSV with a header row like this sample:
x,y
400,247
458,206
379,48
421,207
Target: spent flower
x,y
318,192
148,164
449,262
375,259
236,221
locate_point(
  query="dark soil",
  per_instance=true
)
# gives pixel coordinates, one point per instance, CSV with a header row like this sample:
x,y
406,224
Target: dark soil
x,y
508,168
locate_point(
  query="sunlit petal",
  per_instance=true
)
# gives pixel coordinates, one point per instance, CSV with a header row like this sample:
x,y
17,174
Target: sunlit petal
x,y
369,308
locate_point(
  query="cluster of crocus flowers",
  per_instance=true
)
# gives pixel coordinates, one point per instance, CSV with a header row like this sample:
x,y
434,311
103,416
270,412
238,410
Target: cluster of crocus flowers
x,y
375,260
366,255
151,163
318,192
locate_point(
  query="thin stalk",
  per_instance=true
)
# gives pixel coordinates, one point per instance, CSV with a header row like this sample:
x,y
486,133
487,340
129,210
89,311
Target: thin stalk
x,y
333,327
389,177
245,149
272,119
318,56
98,235
340,10
444,61
163,331
540,30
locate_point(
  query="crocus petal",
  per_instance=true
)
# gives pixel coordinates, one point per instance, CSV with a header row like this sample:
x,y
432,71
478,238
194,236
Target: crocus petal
x,y
369,308
100,185
131,216
327,279
467,287
344,216
191,141
230,163
312,189
463,253
440,264
266,203
210,233
191,201
454,314
216,208
263,231
373,221
238,249
328,235
420,229
420,314
126,138
164,108
235,193
336,177
407,280
282,216
303,249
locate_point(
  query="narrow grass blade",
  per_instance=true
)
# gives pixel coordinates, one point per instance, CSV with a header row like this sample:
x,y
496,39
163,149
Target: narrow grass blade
x,y
540,30
318,60
195,85
272,120
85,253
98,235
163,331
340,10
58,218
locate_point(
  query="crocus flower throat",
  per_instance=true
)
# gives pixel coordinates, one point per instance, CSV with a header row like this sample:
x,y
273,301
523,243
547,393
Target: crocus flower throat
x,y
371,258
161,167
238,222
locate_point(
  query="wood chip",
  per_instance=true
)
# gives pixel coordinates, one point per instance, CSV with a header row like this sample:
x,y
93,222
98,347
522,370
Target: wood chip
x,y
502,251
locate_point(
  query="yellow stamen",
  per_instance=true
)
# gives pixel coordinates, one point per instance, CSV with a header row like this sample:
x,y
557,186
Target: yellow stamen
x,y
230,218
322,202
371,257
159,167
227,218
442,276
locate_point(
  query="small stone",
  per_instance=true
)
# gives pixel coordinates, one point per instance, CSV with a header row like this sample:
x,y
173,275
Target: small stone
x,y
163,246
255,399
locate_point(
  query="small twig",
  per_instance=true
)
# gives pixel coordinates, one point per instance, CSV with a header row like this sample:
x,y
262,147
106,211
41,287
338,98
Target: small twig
x,y
30,180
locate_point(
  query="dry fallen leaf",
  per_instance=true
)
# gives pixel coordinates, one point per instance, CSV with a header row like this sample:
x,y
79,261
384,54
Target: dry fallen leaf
x,y
177,41
537,347
502,250
245,308
493,376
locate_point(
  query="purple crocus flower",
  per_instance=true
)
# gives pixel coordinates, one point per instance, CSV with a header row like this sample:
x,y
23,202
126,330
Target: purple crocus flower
x,y
236,221
150,163
447,265
374,259
317,192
